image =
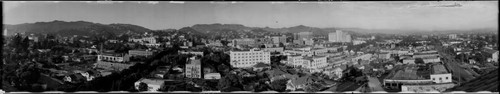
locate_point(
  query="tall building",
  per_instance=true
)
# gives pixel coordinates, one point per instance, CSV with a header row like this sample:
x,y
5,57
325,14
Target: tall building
x,y
303,35
452,36
246,41
249,58
339,36
193,68
279,39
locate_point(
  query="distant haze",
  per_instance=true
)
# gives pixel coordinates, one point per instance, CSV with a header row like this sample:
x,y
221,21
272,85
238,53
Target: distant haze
x,y
421,16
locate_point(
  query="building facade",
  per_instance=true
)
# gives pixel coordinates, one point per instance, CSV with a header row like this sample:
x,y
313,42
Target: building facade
x,y
193,68
249,58
246,41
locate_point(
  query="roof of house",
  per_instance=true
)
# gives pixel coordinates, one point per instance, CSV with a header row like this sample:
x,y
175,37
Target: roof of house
x,y
439,69
260,65
490,51
301,80
276,72
408,73
486,82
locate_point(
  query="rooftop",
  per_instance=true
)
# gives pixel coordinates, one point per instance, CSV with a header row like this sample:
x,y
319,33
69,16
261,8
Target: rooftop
x,y
312,57
439,69
408,73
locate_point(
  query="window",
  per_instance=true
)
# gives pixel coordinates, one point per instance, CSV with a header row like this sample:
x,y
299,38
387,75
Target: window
x,y
440,79
446,78
433,79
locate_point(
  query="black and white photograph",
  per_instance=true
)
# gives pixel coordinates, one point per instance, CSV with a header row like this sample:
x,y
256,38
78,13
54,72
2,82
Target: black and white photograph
x,y
250,46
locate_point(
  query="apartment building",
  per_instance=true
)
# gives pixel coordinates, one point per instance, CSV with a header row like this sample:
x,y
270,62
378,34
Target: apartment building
x,y
249,58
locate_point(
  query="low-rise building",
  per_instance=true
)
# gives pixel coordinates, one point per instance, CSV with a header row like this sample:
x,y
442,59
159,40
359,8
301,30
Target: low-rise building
x,y
112,65
113,57
245,41
440,74
143,40
145,53
191,52
312,63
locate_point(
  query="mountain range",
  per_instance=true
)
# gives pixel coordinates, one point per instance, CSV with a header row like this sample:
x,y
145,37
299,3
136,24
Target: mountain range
x,y
65,28
74,28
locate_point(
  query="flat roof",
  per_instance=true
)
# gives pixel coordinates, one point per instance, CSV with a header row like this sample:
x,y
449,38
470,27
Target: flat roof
x,y
439,69
408,73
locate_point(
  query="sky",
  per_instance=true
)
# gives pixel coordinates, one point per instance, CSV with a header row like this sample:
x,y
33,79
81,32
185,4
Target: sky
x,y
411,15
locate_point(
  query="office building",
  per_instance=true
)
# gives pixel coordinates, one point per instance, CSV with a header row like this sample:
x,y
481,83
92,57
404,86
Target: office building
x,y
249,58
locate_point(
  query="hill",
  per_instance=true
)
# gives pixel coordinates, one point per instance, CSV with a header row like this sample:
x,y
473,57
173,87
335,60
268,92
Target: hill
x,y
209,28
64,28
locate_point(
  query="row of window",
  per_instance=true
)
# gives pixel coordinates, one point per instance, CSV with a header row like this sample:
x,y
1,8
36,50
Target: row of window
x,y
440,78
111,58
250,54
240,57
245,63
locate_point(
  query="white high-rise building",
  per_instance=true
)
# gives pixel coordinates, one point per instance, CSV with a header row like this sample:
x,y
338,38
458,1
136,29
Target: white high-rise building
x,y
348,38
249,58
452,36
339,36
332,37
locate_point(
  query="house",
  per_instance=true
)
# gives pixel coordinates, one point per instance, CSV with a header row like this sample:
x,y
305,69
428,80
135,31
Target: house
x,y
275,73
336,73
298,83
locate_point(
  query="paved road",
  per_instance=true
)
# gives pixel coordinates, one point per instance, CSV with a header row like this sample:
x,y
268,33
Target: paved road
x,y
374,84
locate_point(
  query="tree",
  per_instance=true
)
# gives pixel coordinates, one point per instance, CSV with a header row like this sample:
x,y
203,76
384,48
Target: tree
x,y
279,85
143,86
419,61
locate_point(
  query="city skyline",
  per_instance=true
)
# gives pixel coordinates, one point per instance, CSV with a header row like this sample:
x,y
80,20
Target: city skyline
x,y
423,16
